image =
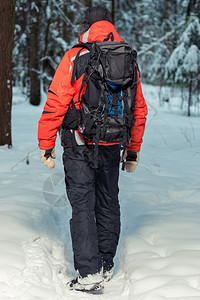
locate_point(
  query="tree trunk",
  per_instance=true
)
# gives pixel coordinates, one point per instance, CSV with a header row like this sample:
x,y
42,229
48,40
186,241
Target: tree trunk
x,y
190,7
48,22
45,64
175,36
34,63
166,10
182,97
68,33
113,12
190,97
7,17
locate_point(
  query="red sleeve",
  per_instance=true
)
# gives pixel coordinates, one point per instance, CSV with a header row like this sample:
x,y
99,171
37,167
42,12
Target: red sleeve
x,y
60,94
140,114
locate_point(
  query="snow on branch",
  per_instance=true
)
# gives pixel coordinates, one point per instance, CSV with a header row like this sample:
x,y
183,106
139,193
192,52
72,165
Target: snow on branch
x,y
51,61
80,4
165,37
65,18
41,74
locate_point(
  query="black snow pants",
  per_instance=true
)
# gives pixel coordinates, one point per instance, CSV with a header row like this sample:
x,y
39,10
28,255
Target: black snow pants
x,y
93,194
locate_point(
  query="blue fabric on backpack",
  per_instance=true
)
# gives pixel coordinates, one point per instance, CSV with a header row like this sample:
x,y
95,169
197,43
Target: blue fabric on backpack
x,y
111,108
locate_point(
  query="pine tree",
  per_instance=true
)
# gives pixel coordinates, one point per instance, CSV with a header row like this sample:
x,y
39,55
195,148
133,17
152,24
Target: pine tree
x,y
183,67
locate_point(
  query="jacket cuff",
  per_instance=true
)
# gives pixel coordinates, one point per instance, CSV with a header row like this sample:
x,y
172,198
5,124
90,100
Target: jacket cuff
x,y
131,156
46,145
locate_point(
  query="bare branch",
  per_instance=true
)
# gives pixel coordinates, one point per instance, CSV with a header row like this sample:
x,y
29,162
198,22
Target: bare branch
x,y
41,74
51,61
65,18
26,158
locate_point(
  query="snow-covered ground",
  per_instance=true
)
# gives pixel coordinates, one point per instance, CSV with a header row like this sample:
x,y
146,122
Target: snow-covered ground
x,y
159,252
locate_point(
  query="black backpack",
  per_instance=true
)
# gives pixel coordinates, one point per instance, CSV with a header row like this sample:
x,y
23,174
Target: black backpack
x,y
107,106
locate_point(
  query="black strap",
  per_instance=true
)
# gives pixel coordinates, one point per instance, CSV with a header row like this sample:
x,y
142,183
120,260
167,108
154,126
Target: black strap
x,y
105,100
124,136
123,161
87,46
74,143
96,145
108,36
88,125
126,107
82,86
126,122
115,103
130,109
75,66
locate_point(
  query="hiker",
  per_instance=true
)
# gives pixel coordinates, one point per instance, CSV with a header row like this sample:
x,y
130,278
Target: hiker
x,y
91,163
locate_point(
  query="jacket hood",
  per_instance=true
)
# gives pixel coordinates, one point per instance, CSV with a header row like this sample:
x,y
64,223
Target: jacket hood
x,y
98,32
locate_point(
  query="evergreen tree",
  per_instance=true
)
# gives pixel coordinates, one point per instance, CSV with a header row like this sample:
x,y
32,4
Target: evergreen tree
x,y
183,67
154,28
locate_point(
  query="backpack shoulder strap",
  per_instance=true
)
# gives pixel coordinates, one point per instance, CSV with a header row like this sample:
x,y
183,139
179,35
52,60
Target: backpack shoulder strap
x,y
82,46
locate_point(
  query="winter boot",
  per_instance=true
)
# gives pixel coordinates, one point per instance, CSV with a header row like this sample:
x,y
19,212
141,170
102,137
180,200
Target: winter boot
x,y
107,275
77,286
108,268
87,284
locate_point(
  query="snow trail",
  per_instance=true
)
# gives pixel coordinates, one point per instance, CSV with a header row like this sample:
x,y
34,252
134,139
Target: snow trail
x,y
158,256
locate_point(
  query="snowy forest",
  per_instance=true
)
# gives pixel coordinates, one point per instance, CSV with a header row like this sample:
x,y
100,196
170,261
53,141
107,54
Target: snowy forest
x,y
158,255
166,35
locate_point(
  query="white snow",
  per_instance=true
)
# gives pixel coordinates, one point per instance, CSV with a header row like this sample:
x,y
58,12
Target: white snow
x,y
48,12
184,60
158,256
191,59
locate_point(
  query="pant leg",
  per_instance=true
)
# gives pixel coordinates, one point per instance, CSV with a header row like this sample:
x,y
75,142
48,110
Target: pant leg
x,y
80,185
107,209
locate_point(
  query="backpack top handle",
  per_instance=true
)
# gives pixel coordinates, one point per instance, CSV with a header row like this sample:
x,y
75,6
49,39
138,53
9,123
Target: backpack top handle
x,y
108,36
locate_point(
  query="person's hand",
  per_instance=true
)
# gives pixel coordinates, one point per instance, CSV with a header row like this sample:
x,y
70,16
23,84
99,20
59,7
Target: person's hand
x,y
129,160
46,157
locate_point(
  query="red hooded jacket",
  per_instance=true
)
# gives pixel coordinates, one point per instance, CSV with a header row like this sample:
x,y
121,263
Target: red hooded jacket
x,y
61,92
